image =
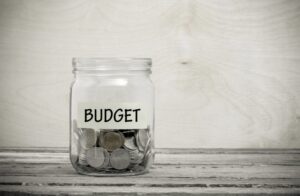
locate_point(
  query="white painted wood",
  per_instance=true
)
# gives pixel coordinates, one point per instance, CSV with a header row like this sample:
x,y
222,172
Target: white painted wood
x,y
226,72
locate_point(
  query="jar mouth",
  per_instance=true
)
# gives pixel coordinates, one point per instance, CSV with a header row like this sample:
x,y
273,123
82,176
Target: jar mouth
x,y
111,64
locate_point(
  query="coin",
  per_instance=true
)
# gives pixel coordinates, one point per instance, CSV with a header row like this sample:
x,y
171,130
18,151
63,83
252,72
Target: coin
x,y
136,157
120,159
142,138
82,157
106,161
88,138
112,140
82,162
97,157
101,136
129,143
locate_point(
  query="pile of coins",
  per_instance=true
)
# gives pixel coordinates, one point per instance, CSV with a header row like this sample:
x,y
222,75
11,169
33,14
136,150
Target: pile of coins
x,y
108,150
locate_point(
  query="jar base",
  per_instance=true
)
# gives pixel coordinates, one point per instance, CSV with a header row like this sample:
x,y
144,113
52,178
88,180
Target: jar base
x,y
109,173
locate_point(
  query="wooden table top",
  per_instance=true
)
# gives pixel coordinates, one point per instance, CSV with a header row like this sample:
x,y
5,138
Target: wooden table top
x,y
47,171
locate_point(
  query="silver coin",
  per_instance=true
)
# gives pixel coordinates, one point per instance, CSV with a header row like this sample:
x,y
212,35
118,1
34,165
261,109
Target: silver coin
x,y
82,162
136,157
82,157
88,138
133,154
142,138
96,157
112,140
82,153
106,161
129,143
101,136
120,159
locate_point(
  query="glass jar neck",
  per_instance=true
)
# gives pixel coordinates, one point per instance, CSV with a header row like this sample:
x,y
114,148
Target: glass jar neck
x,y
111,66
107,73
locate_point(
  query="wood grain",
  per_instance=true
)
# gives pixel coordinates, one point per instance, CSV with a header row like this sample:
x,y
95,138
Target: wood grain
x,y
226,72
175,172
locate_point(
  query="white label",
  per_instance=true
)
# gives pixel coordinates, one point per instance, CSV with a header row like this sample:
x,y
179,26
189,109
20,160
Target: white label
x,y
112,116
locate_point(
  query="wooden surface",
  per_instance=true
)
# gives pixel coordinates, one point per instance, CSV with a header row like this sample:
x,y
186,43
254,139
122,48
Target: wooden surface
x,y
47,171
226,72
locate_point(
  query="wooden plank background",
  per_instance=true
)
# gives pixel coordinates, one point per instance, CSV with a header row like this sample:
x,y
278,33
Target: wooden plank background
x,y
226,72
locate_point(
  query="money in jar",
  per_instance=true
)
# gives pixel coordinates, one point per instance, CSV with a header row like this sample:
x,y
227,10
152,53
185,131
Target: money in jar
x,y
111,116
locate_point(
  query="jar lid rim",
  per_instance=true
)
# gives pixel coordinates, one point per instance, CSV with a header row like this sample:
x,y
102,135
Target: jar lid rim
x,y
111,63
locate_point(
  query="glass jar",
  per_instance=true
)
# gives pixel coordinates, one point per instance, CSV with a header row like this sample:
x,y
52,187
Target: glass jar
x,y
111,116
